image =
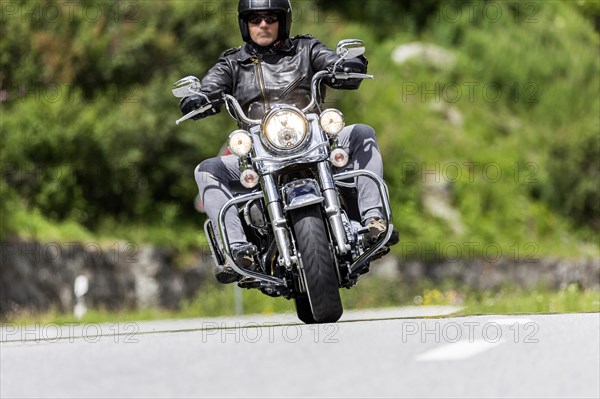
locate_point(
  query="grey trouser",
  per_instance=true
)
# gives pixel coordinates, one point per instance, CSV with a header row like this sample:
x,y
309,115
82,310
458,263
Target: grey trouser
x,y
216,177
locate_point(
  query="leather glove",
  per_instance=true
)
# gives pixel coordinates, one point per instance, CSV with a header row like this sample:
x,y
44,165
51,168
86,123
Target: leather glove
x,y
353,65
188,104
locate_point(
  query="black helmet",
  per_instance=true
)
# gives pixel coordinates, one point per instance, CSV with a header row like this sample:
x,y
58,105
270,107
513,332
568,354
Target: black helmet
x,y
281,7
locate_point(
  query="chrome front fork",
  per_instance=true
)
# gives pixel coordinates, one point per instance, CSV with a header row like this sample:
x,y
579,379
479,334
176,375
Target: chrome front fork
x,y
333,207
278,222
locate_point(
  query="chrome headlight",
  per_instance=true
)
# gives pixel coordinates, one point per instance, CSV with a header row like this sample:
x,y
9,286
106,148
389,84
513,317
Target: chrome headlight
x,y
240,142
285,128
332,121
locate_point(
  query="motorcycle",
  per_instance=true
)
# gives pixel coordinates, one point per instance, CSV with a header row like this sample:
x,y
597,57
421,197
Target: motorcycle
x,y
301,215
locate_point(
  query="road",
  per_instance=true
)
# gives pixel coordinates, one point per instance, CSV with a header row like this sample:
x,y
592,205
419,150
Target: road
x,y
399,352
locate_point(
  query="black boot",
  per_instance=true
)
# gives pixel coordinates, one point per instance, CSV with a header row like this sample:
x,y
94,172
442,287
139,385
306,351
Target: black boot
x,y
242,255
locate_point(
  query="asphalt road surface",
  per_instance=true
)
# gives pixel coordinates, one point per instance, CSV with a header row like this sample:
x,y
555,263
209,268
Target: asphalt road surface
x,y
400,352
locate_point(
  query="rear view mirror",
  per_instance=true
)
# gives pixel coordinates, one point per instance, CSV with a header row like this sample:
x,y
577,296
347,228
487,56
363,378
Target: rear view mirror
x,y
350,48
182,87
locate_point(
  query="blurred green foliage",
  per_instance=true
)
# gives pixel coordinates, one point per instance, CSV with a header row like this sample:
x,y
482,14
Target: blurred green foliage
x,y
88,118
89,141
216,300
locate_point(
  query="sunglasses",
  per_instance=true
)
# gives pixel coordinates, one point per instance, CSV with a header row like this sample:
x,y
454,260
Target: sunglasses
x,y
257,19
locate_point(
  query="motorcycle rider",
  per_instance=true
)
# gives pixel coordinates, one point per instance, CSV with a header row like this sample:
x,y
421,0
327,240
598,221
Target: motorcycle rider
x,y
274,68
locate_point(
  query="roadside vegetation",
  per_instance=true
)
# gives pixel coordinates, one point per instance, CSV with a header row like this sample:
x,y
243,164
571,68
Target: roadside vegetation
x,y
215,300
509,128
503,135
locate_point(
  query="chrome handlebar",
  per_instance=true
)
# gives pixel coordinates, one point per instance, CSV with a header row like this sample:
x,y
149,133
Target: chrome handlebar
x,y
316,80
231,101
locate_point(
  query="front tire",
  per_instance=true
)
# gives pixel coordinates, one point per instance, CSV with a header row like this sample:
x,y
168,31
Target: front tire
x,y
303,309
322,302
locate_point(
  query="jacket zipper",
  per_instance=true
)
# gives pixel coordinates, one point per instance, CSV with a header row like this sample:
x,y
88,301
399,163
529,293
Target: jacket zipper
x,y
261,81
293,84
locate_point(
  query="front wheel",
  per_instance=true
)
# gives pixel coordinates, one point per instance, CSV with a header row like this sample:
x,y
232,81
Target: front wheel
x,y
322,302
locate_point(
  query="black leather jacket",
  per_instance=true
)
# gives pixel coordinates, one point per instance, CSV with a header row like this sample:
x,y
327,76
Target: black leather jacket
x,y
260,77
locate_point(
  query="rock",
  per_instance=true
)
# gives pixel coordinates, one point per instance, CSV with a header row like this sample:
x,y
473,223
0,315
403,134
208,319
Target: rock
x,y
37,276
452,114
429,53
484,274
40,276
437,199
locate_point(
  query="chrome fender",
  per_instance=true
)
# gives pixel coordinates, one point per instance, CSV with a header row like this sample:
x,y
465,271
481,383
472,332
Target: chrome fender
x,y
301,193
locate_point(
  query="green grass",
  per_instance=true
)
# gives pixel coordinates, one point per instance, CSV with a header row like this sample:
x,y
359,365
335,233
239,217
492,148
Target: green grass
x,y
34,226
215,300
567,300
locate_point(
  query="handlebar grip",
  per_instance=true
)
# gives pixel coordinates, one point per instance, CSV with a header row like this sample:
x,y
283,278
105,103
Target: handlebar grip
x,y
215,96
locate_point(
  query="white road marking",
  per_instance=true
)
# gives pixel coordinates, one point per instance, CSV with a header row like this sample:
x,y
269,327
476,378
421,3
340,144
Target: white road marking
x,y
457,351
